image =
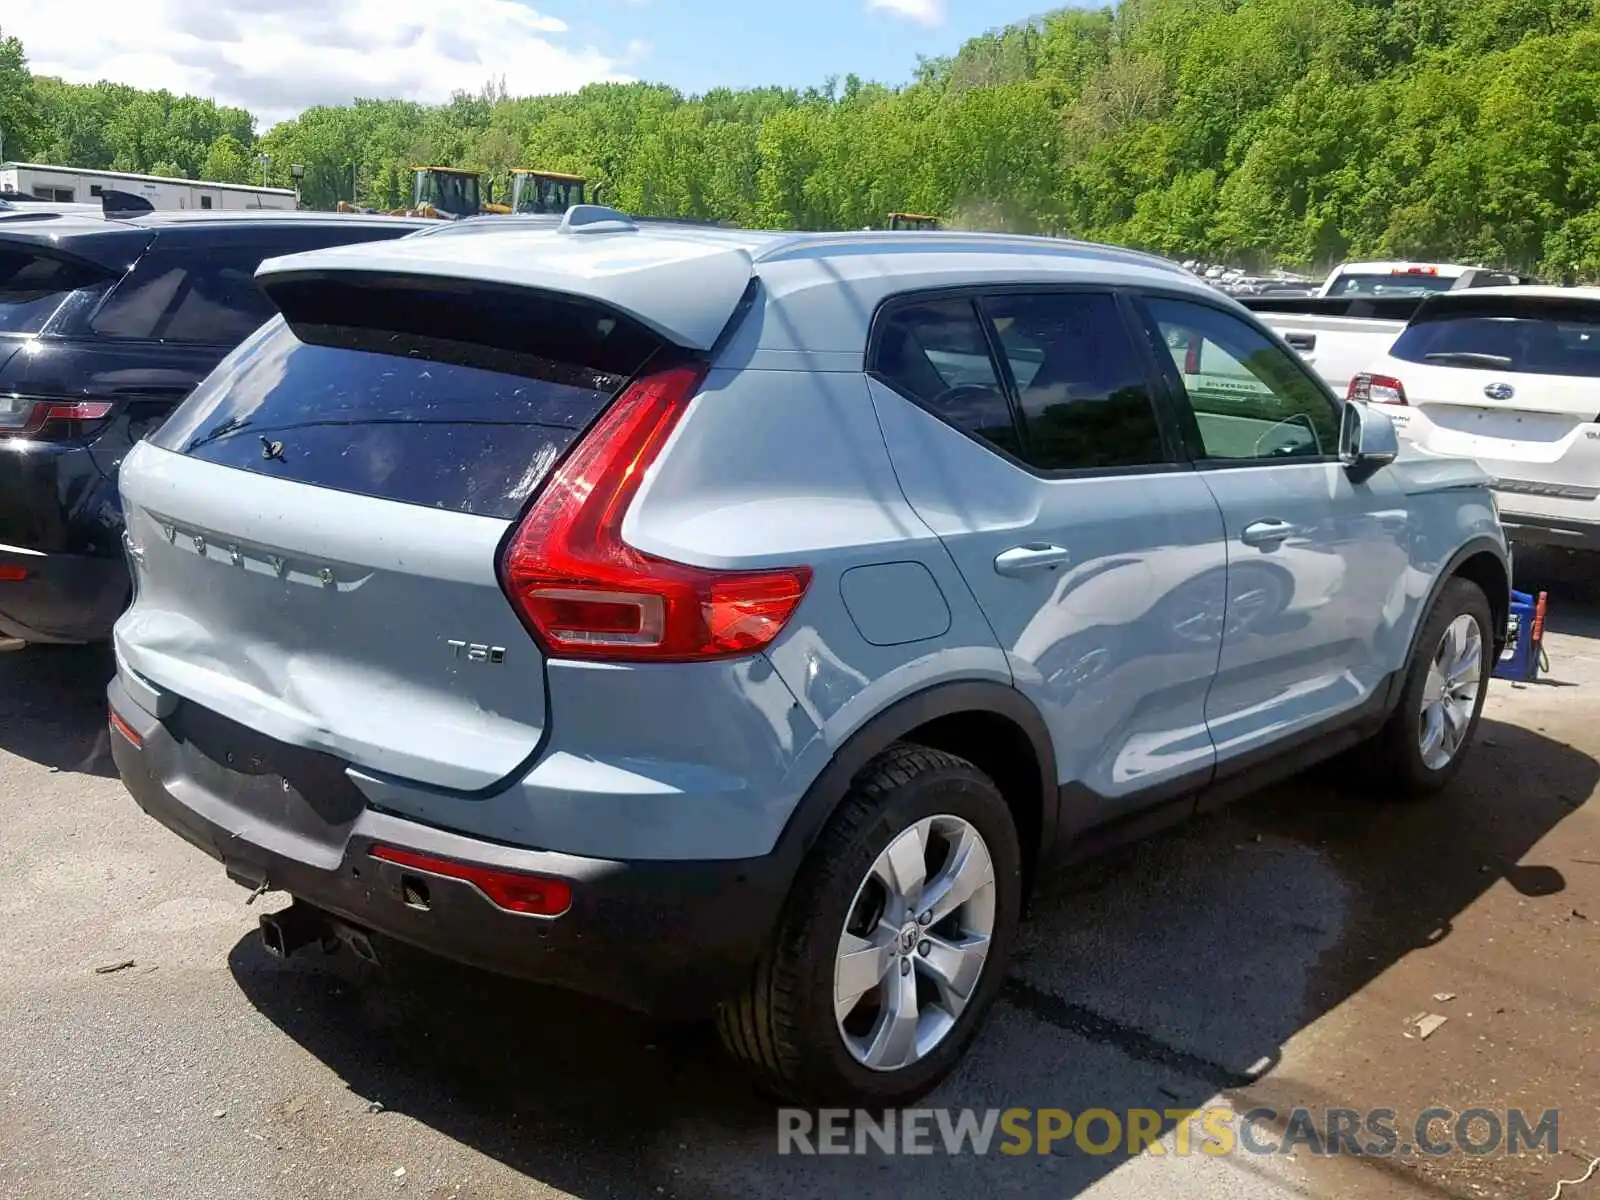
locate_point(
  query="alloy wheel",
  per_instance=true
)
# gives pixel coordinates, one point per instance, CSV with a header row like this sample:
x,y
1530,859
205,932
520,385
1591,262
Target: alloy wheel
x,y
1450,692
915,942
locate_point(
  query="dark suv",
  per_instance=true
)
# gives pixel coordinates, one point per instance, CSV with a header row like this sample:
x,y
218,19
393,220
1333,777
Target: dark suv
x,y
105,325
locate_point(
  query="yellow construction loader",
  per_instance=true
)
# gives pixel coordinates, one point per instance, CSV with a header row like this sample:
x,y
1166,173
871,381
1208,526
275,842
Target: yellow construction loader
x,y
545,191
912,221
446,193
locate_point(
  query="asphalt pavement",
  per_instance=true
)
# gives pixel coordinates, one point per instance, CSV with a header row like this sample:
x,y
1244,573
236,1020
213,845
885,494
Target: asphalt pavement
x,y
1273,956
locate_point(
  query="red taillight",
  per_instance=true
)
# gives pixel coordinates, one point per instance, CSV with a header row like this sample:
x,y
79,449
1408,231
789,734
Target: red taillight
x,y
118,725
1377,389
11,573
23,416
513,891
585,593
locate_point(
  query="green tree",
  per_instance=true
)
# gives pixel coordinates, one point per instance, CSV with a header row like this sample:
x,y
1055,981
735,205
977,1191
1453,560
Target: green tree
x,y
19,124
1294,132
227,161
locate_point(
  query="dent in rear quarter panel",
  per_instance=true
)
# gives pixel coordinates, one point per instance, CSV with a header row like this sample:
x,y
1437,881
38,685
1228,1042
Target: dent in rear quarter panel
x,y
775,467
690,761
1448,506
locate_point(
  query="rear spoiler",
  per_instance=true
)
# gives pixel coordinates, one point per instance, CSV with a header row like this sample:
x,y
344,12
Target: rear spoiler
x,y
121,205
1573,305
685,291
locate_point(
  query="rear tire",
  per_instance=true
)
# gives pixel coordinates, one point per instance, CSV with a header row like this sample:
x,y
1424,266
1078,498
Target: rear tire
x,y
846,923
1428,736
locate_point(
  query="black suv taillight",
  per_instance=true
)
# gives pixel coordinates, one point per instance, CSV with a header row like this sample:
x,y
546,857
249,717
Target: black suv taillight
x,y
46,418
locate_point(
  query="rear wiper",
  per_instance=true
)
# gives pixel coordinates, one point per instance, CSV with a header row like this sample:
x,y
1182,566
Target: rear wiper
x,y
220,431
1469,356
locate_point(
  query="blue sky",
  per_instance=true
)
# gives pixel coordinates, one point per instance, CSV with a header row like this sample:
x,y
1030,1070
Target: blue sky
x,y
701,44
278,57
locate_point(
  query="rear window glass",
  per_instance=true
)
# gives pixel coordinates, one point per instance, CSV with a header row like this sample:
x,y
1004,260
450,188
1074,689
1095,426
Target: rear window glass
x,y
406,416
1558,344
1391,285
33,285
450,396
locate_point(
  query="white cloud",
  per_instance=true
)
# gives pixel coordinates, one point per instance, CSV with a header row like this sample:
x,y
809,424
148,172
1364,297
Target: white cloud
x,y
277,57
924,12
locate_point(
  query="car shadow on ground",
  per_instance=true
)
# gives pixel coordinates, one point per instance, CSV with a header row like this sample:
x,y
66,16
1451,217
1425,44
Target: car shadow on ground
x,y
1154,979
53,707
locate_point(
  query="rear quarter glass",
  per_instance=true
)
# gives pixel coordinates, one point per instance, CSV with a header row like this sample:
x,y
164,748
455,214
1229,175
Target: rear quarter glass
x,y
33,286
369,408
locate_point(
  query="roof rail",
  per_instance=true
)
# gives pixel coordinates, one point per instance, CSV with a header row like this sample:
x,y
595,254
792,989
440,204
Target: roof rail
x,y
799,244
595,218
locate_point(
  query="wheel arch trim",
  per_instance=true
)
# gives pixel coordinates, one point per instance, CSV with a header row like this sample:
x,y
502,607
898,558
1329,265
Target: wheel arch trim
x,y
1500,606
948,699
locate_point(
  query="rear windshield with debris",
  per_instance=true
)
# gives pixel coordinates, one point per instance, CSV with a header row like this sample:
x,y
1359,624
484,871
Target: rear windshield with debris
x,y
463,402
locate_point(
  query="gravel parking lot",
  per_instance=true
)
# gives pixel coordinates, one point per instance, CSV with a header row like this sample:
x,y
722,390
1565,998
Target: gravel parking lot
x,y
1267,956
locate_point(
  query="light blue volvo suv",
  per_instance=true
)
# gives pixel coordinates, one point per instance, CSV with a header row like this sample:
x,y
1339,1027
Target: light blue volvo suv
x,y
741,623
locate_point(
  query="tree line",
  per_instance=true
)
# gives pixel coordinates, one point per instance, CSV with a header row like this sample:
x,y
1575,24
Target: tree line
x,y
1267,132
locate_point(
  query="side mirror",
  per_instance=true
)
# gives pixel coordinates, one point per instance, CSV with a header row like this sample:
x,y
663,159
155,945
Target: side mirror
x,y
1367,441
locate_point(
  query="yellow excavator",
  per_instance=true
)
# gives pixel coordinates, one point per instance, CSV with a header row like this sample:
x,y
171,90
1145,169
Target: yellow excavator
x,y
913,221
545,191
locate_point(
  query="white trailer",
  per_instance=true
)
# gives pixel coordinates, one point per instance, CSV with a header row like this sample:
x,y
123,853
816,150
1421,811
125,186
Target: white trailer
x,y
71,185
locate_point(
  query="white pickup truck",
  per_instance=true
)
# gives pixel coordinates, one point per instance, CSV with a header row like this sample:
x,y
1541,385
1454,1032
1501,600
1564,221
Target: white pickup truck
x,y
1360,309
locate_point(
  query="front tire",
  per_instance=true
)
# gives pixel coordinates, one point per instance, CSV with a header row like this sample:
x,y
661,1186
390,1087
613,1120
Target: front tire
x,y
1428,735
894,941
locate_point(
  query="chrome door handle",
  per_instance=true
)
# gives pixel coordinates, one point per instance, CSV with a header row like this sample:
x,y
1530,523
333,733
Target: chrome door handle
x,y
1021,560
1266,533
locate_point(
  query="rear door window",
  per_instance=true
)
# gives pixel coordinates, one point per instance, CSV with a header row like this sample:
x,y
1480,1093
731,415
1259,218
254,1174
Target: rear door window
x,y
33,285
462,401
1082,385
1508,335
935,351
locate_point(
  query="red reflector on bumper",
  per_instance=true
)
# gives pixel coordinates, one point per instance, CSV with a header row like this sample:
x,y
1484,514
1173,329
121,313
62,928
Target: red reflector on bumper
x,y
12,574
114,719
513,891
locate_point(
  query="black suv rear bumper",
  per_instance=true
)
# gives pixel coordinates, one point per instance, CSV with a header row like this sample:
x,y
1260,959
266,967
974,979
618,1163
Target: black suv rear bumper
x,y
60,597
667,938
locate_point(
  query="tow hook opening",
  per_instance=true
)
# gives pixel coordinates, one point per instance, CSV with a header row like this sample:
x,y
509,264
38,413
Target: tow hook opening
x,y
296,927
300,925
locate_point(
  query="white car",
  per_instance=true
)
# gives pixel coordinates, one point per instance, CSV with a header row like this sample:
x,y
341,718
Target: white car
x,y
1509,377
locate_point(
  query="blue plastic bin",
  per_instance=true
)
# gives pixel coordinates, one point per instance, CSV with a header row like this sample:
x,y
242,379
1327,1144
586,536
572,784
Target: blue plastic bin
x,y
1524,646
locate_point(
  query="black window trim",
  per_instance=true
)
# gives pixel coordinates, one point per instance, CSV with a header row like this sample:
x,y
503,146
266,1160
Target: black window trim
x,y
1177,395
1171,435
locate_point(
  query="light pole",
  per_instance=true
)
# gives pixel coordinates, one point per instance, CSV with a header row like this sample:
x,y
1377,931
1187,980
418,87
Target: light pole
x,y
299,172
264,159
